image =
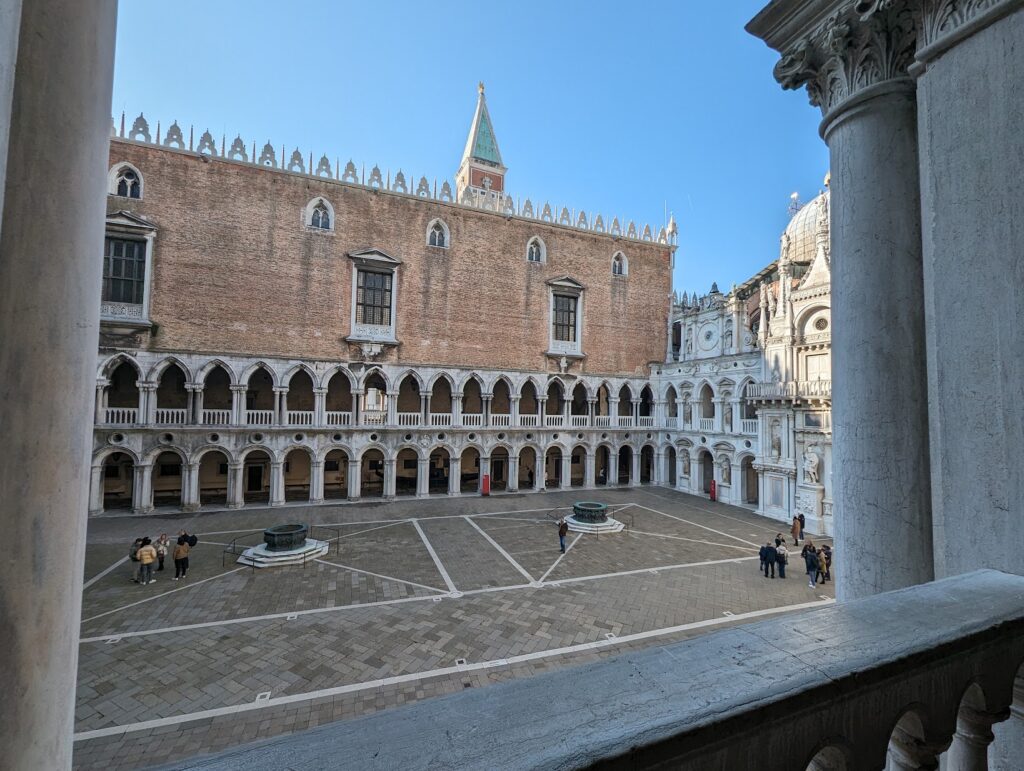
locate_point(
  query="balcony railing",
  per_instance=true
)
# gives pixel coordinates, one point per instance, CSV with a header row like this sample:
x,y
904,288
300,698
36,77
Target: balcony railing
x,y
867,678
300,417
671,421
602,421
472,419
440,418
645,421
171,417
120,416
259,417
579,421
748,426
529,421
338,418
216,417
553,421
625,421
707,424
500,420
374,418
791,389
408,418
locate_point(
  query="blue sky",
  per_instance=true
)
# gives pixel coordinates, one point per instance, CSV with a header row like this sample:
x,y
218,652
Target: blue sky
x,y
615,108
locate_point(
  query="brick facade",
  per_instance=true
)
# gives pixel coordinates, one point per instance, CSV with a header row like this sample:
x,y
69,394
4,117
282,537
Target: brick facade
x,y
236,271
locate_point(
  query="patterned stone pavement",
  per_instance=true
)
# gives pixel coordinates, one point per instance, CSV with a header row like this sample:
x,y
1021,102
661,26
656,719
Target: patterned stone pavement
x,y
416,599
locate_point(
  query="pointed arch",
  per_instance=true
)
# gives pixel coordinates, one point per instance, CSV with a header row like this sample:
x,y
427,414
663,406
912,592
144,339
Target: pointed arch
x,y
438,234
125,181
113,362
318,214
620,264
536,250
205,370
251,370
157,370
371,373
328,376
286,379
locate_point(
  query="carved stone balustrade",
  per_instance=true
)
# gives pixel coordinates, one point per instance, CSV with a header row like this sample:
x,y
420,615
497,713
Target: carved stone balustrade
x,y
904,675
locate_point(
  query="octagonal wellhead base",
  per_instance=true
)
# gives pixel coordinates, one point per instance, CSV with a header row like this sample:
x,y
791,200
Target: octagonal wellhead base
x,y
592,517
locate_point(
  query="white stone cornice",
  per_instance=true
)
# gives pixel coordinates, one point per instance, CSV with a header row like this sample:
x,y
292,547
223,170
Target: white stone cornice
x,y
946,22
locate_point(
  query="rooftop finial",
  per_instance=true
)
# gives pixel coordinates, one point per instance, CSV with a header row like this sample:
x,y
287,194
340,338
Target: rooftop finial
x,y
480,87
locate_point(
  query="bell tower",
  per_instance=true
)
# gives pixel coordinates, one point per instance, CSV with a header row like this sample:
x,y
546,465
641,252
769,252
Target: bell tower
x,y
481,171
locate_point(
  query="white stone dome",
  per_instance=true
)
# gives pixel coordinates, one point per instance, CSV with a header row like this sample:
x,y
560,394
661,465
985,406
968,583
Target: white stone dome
x,y
803,230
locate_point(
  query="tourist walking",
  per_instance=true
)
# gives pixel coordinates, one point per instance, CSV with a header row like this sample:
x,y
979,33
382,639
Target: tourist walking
x,y
779,540
563,530
133,555
769,559
760,554
795,531
163,543
822,569
803,522
181,550
147,556
781,558
828,561
811,561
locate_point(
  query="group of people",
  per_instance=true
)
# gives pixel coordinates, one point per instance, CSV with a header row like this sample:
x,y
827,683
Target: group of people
x,y
145,553
817,561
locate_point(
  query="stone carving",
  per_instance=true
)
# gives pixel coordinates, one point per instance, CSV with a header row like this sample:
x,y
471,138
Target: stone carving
x,y
323,168
581,221
350,174
776,439
446,192
140,130
376,180
207,145
728,339
267,157
546,213
174,137
296,163
563,218
399,184
237,151
811,461
942,17
728,420
726,471
423,188
684,457
528,208
647,233
631,230
616,230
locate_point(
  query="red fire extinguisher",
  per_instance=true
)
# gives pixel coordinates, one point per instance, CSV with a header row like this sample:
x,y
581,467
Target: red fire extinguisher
x,y
713,490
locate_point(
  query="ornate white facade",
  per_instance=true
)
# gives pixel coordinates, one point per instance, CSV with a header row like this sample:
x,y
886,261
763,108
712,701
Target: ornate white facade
x,y
747,384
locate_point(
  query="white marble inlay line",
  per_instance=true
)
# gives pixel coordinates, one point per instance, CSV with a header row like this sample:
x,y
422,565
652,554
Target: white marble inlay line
x,y
147,725
697,524
433,555
379,575
501,551
161,596
555,563
98,576
694,540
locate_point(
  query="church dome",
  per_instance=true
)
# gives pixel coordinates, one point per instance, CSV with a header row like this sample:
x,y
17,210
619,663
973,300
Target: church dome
x,y
803,229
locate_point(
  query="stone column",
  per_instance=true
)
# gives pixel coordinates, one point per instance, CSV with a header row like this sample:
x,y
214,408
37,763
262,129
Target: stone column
x,y
908,753
659,466
1007,749
142,489
235,498
635,411
454,475
198,392
515,411
566,481
879,397
634,474
485,468
695,486
591,410
101,387
590,467
392,407
354,480
357,397
681,479
456,409
96,490
540,472
486,399
513,473
147,404
425,409
389,478
319,407
969,750
281,406
613,413
316,481
276,483
190,487
238,417
541,411
422,477
737,484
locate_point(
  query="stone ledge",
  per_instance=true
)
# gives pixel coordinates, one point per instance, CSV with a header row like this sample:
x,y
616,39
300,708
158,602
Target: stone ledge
x,y
773,690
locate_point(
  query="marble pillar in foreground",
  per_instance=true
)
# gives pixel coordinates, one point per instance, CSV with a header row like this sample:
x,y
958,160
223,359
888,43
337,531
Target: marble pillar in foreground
x,y
51,240
854,62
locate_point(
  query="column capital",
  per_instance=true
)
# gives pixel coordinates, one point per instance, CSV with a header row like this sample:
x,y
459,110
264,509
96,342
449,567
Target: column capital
x,y
280,389
320,390
238,388
856,48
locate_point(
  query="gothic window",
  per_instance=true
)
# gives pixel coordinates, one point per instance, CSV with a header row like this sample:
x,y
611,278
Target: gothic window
x,y
437,235
124,271
125,181
321,217
373,298
620,267
564,319
535,250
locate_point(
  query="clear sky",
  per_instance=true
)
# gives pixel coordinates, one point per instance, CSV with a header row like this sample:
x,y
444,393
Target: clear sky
x,y
622,109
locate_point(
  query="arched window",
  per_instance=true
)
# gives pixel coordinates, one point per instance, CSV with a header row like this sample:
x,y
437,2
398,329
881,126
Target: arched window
x,y
437,234
125,181
535,251
620,267
318,215
321,217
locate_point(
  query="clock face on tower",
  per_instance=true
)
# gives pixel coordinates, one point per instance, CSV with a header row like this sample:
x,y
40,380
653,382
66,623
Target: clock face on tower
x,y
708,337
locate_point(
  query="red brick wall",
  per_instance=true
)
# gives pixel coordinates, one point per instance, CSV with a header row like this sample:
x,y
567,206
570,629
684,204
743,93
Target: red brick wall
x,y
235,271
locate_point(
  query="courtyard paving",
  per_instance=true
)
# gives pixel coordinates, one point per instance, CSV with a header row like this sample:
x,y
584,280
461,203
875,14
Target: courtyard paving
x,y
416,599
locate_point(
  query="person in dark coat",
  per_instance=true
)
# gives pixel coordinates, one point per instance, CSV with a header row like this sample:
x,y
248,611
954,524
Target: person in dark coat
x,y
769,559
781,558
827,551
803,523
811,561
760,555
779,540
563,530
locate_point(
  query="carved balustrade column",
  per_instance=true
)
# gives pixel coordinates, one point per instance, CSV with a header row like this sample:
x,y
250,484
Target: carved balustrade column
x,y
969,750
854,64
909,753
